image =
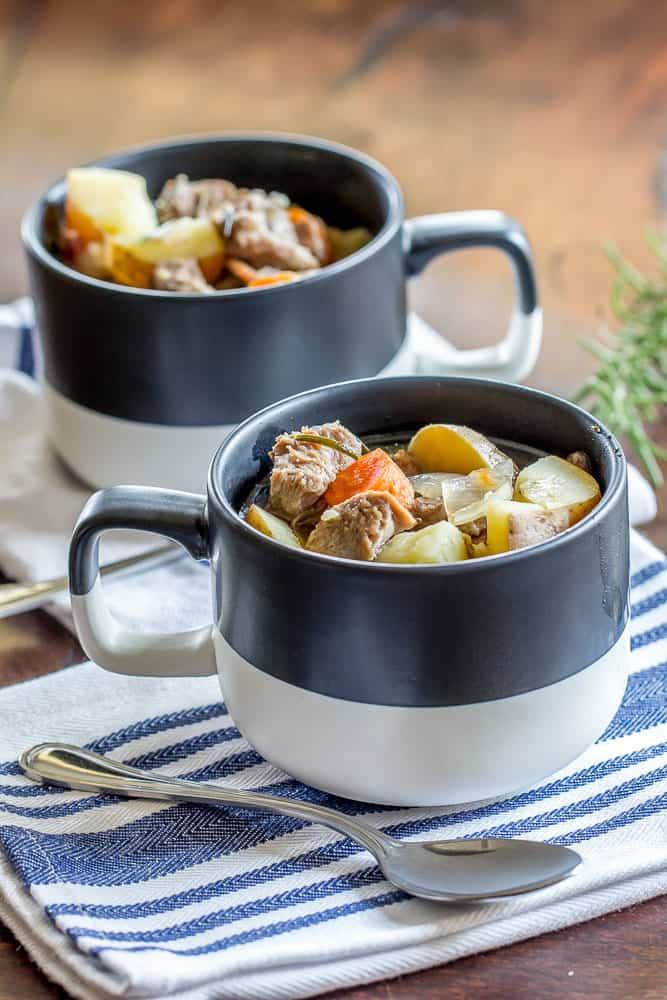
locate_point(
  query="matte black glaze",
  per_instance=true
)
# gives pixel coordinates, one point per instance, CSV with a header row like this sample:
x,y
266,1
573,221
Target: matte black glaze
x,y
449,635
202,360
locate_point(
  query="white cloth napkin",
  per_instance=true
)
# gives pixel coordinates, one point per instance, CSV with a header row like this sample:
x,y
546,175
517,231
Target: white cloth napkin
x,y
117,898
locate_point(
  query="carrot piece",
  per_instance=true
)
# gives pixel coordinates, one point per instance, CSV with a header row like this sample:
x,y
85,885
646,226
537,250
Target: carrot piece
x,y
373,471
244,272
81,223
279,278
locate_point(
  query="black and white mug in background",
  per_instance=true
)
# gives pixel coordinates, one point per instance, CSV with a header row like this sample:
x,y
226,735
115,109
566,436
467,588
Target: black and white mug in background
x,y
411,685
142,385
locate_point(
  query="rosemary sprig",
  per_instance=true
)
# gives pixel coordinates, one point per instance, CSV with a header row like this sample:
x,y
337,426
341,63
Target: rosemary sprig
x,y
327,442
629,387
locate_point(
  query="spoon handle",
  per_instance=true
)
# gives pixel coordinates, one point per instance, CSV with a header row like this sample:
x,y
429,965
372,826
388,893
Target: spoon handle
x,y
74,767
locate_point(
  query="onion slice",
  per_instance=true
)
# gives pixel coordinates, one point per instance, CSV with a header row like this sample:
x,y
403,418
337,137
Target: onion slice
x,y
430,484
460,492
477,509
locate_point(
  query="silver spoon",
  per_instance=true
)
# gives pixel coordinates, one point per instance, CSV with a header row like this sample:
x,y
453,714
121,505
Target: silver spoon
x,y
454,870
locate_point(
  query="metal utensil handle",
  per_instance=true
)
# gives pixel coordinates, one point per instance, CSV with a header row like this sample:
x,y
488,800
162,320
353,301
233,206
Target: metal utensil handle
x,y
15,598
75,767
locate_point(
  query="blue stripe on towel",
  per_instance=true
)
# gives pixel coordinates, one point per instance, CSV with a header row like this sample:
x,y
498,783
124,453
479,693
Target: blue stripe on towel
x,y
359,879
650,603
647,638
273,930
142,728
648,573
159,757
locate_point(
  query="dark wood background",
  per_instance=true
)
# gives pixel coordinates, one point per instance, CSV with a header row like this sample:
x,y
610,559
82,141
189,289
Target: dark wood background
x,y
555,113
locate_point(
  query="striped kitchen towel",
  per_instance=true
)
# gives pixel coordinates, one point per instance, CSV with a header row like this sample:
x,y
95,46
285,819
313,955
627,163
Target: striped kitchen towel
x,y
120,898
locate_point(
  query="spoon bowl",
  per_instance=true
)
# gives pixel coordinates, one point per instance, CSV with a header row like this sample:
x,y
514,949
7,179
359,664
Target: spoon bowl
x,y
467,870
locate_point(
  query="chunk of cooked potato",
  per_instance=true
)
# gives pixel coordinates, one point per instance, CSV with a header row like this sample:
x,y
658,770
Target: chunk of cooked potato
x,y
131,260
262,520
512,524
343,242
453,448
555,484
103,202
439,543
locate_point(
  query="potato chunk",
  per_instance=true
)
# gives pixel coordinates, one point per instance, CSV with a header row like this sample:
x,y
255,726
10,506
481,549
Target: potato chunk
x,y
104,202
262,520
132,259
555,484
343,242
439,543
452,448
511,524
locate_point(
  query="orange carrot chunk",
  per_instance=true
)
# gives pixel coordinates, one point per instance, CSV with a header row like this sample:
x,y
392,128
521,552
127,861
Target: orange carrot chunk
x,y
373,471
244,272
279,278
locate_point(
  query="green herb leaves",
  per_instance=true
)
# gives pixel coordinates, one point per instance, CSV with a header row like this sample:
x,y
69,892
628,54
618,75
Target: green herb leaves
x,y
630,385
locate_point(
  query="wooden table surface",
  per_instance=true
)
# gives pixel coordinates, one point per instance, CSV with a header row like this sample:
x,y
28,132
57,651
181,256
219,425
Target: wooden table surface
x,y
554,113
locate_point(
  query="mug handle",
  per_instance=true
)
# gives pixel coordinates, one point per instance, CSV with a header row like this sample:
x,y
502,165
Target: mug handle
x,y
179,516
514,357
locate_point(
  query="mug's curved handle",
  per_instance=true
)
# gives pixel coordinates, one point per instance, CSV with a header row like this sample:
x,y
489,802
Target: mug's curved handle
x,y
179,516
514,357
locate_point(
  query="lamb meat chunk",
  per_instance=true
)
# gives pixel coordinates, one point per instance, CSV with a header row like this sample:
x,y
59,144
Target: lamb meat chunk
x,y
312,233
302,472
258,200
406,463
212,198
268,239
534,526
428,510
197,199
358,527
304,523
180,275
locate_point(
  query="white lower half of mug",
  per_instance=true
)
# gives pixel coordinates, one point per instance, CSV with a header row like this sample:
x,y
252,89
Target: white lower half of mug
x,y
422,756
104,450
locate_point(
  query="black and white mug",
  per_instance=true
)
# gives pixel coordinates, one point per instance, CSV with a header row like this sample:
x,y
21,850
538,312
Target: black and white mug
x,y
411,685
134,376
